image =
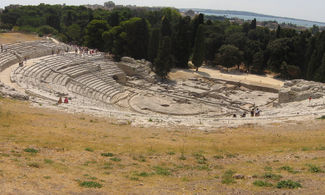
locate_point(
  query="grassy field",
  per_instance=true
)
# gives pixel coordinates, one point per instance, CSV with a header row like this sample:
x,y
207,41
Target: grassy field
x,y
14,37
49,152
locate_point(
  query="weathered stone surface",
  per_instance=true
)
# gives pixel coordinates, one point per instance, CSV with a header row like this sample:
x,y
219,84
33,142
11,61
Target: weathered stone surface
x,y
299,90
138,68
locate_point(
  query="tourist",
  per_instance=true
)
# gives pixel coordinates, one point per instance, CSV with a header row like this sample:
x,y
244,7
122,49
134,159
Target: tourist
x,y
243,115
1,48
66,100
257,112
252,112
21,64
60,101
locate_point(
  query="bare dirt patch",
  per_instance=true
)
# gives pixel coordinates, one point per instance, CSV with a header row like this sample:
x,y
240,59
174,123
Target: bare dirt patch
x,y
14,37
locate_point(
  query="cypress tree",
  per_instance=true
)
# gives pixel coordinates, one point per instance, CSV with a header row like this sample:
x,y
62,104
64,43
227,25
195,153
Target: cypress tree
x,y
163,62
182,43
153,44
198,54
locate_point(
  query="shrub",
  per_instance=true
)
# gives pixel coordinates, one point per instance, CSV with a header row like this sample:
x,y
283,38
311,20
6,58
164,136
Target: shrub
x,y
261,183
289,169
31,150
218,157
90,184
200,158
227,177
272,176
314,169
162,171
115,159
48,161
89,149
288,184
108,154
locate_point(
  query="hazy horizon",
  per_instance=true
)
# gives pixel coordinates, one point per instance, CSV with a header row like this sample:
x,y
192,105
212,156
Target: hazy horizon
x,y
307,10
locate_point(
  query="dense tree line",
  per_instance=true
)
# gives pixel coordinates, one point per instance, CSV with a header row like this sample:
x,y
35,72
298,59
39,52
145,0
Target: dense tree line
x,y
170,40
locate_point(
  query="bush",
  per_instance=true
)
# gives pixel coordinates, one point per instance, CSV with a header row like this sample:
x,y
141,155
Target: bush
x,y
46,29
315,169
289,169
227,177
261,183
89,149
288,184
90,184
108,154
31,150
115,159
162,171
272,176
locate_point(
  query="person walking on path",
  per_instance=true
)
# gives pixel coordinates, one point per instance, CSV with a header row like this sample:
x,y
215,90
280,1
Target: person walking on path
x,y
66,100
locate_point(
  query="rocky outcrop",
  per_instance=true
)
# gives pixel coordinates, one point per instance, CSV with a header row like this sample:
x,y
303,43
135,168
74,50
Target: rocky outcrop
x,y
6,91
137,68
299,90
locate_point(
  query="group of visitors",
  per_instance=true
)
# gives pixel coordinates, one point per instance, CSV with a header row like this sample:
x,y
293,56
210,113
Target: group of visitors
x,y
66,100
255,112
84,50
4,48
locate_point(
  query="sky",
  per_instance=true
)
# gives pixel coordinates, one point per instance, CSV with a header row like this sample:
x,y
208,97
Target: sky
x,y
313,10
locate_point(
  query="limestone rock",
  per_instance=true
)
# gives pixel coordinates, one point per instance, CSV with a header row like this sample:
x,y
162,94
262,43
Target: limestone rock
x,y
299,90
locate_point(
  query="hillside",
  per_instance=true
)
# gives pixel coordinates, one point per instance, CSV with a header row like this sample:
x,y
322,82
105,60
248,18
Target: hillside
x,y
49,152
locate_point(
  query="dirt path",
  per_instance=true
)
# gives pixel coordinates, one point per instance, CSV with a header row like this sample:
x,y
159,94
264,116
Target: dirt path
x,y
266,81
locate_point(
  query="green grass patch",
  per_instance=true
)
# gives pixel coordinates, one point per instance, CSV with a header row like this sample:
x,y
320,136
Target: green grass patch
x,y
227,177
162,171
272,176
314,169
48,161
89,149
90,184
31,150
289,169
107,154
288,184
115,159
261,183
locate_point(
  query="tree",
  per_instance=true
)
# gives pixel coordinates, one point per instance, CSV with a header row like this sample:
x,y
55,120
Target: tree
x,y
163,62
198,53
153,44
137,37
229,56
252,26
74,33
182,43
94,31
320,74
258,62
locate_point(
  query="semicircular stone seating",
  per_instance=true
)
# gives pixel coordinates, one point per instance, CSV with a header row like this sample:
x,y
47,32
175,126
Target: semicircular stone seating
x,y
90,76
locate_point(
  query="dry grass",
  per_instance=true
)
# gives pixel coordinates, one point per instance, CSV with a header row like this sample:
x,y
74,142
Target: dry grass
x,y
14,37
45,151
